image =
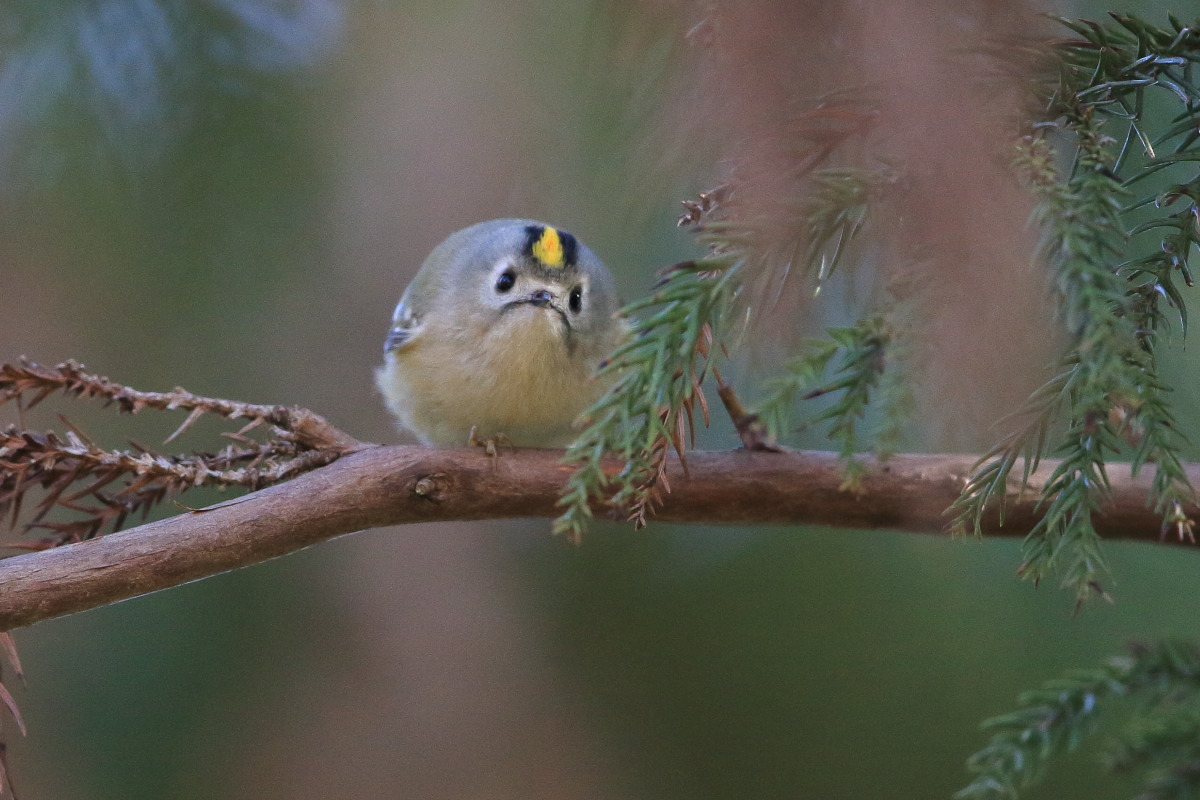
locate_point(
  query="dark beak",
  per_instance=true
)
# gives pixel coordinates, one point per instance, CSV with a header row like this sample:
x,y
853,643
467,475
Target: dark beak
x,y
541,299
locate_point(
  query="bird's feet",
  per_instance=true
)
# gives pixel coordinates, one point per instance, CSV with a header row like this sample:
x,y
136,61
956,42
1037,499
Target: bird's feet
x,y
490,443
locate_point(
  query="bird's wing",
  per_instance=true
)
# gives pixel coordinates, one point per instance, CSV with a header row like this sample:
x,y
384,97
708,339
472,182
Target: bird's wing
x,y
396,339
406,324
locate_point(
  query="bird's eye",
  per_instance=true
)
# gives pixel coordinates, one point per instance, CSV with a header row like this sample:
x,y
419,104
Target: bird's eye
x,y
506,281
575,301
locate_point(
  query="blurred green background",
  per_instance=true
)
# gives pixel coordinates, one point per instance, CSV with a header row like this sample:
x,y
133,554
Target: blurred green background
x,y
230,195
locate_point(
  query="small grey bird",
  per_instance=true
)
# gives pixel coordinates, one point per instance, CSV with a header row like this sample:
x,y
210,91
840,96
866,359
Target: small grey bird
x,y
499,336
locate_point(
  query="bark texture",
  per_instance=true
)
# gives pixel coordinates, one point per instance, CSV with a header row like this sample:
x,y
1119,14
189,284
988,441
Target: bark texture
x,y
380,486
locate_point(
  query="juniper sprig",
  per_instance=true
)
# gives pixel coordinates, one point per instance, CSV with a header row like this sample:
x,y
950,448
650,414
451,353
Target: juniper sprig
x,y
1116,279
1159,742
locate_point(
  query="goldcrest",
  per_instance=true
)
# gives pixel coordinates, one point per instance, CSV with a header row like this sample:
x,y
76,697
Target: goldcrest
x,y
499,337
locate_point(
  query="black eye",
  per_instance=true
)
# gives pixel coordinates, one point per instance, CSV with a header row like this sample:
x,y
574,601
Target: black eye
x,y
575,301
505,281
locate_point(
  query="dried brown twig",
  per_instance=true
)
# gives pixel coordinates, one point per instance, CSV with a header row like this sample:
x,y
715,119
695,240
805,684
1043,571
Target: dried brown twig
x,y
749,425
298,424
75,473
8,653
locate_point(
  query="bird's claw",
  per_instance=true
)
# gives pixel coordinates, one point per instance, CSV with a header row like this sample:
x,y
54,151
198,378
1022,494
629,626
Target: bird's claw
x,y
489,444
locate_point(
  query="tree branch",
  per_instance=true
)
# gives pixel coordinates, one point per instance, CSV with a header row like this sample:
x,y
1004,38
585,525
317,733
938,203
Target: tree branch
x,y
380,486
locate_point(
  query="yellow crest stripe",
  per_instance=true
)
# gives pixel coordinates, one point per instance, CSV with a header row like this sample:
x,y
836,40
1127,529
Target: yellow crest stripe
x,y
548,249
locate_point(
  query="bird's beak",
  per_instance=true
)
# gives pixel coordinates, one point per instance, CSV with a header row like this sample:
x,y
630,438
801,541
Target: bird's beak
x,y
541,298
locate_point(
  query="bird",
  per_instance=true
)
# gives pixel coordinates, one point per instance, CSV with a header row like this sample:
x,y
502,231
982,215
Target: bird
x,y
499,336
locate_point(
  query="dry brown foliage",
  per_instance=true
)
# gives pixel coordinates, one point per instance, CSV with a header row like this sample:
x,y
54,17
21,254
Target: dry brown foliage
x,y
75,474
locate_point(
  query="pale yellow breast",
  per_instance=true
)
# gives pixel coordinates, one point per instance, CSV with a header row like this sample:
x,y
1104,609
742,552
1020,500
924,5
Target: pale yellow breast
x,y
516,379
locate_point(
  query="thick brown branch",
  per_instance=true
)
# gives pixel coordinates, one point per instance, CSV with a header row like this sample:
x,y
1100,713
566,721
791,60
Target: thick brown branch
x,y
394,485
